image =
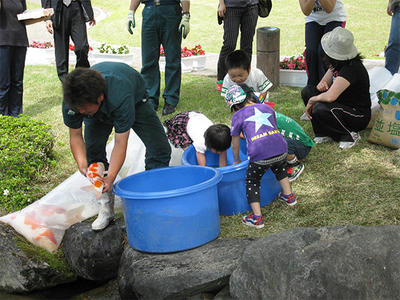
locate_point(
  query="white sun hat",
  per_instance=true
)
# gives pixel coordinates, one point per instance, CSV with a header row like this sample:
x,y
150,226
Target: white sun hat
x,y
339,44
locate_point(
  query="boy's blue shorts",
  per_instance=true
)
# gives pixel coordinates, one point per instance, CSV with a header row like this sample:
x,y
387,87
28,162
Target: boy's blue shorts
x,y
297,148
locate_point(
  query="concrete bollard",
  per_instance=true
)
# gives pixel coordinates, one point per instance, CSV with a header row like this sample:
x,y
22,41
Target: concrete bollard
x,y
268,39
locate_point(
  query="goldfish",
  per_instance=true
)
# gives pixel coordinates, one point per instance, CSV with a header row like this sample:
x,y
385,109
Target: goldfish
x,y
31,220
47,240
95,174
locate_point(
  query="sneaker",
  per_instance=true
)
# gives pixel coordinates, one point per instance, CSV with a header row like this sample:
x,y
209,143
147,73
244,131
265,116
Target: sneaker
x,y
253,221
219,85
294,171
346,145
322,139
304,117
288,199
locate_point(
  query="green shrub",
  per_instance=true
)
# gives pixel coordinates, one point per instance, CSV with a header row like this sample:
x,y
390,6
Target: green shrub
x,y
25,152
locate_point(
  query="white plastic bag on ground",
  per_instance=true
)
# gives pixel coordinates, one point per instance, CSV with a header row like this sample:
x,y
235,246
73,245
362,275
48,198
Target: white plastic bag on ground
x,y
44,222
378,78
393,84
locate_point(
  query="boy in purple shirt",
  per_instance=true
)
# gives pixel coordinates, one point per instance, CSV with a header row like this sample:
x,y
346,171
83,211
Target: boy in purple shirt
x,y
266,148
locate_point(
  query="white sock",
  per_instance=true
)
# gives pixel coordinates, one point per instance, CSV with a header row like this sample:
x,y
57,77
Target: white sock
x,y
293,161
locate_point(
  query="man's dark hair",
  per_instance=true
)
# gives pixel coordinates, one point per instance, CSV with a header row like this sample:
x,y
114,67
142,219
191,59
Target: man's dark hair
x,y
218,137
238,59
336,65
83,86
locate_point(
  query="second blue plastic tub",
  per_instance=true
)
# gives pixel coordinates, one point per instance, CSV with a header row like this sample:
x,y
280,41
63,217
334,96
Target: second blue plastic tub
x,y
232,188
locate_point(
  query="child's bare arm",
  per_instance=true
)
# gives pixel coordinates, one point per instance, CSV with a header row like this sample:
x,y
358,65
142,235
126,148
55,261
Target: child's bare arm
x,y
201,159
235,149
223,162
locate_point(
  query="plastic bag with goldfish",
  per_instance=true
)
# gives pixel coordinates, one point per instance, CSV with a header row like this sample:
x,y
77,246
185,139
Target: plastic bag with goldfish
x,y
44,222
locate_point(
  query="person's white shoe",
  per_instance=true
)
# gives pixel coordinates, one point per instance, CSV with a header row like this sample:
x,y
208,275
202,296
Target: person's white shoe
x,y
304,117
346,145
322,139
106,212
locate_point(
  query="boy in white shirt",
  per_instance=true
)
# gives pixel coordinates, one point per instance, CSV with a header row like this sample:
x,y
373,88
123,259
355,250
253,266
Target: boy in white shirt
x,y
239,69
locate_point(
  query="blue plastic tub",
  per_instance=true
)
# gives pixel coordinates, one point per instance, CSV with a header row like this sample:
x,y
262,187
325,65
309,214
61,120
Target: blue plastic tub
x,y
170,209
232,188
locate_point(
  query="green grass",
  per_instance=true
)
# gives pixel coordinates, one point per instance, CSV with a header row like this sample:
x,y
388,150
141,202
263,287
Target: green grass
x,y
55,260
357,186
365,18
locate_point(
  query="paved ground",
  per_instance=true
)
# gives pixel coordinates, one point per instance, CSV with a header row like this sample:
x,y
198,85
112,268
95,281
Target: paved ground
x,y
38,32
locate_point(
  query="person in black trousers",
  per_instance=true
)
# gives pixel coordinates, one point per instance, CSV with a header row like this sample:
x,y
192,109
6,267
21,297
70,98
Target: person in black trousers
x,y
340,105
69,20
236,14
13,44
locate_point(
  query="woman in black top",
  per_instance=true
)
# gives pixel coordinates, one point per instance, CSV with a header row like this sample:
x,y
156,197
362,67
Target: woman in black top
x,y
339,106
13,44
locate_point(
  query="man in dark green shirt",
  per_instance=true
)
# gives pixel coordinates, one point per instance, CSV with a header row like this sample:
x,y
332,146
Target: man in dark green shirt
x,y
111,95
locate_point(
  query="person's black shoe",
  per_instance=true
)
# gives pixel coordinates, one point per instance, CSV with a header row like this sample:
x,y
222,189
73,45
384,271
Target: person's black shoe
x,y
168,109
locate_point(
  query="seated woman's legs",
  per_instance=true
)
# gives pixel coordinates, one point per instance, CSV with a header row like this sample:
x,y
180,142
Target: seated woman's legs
x,y
337,121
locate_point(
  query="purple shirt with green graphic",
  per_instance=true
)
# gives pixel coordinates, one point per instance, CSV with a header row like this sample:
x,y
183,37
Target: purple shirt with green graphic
x,y
258,124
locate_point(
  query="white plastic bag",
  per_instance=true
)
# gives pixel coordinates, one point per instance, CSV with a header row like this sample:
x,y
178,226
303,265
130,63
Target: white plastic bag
x,y
393,84
378,78
44,222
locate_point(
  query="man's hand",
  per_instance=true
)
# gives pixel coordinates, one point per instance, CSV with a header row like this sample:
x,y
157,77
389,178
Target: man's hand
x,y
92,22
108,183
83,170
49,26
184,26
131,21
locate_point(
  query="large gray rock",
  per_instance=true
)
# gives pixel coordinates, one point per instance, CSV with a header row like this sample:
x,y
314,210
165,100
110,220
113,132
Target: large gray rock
x,y
26,271
94,255
178,275
108,291
349,262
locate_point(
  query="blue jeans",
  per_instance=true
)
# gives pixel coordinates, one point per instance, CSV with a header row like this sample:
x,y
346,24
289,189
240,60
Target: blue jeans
x,y
12,64
297,148
392,52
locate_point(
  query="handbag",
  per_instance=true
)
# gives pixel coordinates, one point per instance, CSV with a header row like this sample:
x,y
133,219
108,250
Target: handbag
x,y
264,8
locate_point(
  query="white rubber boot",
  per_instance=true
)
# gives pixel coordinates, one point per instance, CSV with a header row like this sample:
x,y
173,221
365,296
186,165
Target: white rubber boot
x,y
106,211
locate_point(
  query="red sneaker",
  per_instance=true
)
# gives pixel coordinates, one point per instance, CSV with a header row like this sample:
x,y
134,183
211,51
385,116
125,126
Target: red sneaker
x,y
219,85
253,221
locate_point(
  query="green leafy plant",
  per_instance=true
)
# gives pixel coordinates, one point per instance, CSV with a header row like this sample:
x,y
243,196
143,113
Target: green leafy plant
x,y
106,48
25,151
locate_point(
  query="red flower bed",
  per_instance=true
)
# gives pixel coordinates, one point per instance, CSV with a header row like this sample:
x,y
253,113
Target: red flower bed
x,y
186,52
293,63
